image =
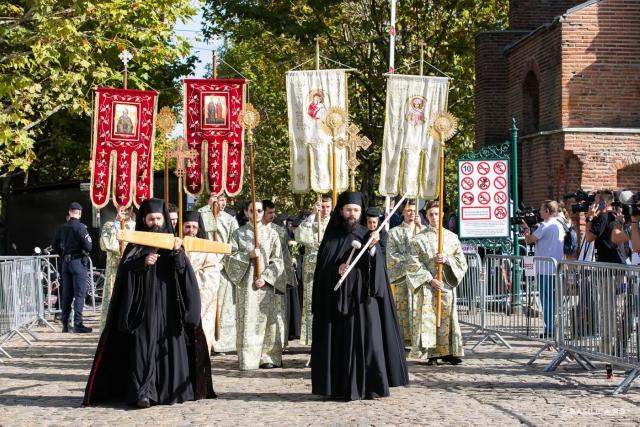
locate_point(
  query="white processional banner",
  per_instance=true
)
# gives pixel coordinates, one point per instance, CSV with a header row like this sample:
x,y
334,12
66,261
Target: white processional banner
x,y
309,95
412,103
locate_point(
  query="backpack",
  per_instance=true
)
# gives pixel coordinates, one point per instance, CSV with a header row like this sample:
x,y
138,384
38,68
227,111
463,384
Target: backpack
x,y
570,239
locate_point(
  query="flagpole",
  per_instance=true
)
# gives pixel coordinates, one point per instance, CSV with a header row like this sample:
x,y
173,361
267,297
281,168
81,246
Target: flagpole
x,y
319,195
249,119
443,128
392,54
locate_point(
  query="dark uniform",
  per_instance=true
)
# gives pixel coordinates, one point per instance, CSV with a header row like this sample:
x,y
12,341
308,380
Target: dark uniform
x,y
73,243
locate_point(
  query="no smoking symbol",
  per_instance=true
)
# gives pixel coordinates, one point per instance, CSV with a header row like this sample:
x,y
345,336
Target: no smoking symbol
x,y
500,183
484,198
500,168
483,168
467,183
500,197
484,182
500,212
467,198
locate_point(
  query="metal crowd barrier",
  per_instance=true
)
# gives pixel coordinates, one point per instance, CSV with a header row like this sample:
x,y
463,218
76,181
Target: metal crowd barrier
x,y
21,299
598,313
520,299
470,295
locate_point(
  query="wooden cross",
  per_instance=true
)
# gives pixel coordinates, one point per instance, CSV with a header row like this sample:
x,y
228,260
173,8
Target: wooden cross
x,y
181,152
353,143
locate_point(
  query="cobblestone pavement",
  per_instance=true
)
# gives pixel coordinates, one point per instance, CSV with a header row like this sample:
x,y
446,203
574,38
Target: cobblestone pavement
x,y
44,384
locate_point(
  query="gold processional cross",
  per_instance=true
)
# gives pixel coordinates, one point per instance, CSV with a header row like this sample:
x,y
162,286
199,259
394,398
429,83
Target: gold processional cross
x,y
353,143
181,152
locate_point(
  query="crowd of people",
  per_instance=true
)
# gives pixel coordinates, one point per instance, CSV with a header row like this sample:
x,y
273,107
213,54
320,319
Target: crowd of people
x,y
165,312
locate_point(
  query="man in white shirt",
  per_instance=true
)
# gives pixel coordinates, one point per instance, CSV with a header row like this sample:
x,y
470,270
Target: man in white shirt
x,y
549,241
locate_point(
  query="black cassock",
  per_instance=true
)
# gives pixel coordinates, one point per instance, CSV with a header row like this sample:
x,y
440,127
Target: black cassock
x,y
357,350
152,345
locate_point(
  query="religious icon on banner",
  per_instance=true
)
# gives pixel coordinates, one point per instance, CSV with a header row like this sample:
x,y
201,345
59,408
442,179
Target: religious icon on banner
x,y
211,111
317,108
125,119
410,155
415,110
311,94
122,146
214,109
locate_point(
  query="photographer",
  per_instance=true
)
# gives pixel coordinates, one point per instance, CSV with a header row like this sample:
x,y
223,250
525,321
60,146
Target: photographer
x,y
549,241
604,228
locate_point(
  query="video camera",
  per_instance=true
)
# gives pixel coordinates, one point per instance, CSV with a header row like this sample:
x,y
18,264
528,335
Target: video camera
x,y
629,202
585,199
529,215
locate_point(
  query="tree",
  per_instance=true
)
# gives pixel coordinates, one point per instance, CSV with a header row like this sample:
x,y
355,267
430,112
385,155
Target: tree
x,y
57,52
265,39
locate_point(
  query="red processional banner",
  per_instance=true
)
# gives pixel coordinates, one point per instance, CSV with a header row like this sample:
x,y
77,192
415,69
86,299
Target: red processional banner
x,y
212,128
122,146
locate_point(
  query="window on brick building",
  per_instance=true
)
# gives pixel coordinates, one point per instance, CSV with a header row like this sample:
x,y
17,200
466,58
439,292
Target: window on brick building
x,y
530,104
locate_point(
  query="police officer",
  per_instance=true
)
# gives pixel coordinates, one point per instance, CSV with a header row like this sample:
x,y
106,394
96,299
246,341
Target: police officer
x,y
73,244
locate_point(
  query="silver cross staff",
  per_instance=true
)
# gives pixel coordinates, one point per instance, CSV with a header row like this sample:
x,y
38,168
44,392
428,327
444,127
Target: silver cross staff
x,y
125,56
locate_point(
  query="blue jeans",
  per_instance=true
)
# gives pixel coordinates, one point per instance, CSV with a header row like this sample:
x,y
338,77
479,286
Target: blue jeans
x,y
74,288
547,299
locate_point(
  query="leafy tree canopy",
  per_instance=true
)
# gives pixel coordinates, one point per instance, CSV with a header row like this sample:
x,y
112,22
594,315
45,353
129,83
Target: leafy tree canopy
x,y
56,52
266,39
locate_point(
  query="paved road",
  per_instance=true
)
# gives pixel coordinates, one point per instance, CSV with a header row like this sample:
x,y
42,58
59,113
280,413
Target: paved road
x,y
44,384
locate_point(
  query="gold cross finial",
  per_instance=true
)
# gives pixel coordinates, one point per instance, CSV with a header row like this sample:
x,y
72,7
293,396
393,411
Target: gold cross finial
x,y
353,143
181,152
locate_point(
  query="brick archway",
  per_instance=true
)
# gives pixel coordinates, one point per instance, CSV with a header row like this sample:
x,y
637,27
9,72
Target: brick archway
x,y
530,99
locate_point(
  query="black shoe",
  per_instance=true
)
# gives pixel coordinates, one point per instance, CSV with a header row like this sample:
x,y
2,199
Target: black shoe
x,y
143,403
81,329
65,328
432,361
268,366
452,360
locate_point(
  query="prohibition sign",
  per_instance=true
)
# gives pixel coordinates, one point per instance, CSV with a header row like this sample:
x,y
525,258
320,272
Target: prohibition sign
x,y
500,167
467,183
466,168
484,198
501,212
500,182
467,198
483,168
500,197
484,182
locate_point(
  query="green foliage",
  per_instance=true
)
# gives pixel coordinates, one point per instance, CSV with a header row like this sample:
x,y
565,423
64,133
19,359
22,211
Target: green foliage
x,y
56,52
266,39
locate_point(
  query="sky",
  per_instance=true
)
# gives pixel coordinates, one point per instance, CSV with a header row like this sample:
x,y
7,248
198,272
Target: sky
x,y
192,31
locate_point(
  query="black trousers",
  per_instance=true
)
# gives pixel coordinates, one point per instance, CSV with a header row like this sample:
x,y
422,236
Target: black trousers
x,y
74,290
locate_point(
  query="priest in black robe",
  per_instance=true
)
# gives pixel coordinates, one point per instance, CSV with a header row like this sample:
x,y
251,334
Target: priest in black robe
x,y
152,349
357,350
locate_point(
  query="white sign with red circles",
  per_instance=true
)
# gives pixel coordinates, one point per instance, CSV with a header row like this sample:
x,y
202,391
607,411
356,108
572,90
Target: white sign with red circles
x,y
483,198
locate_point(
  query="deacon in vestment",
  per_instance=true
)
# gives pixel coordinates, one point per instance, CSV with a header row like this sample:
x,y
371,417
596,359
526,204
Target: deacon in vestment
x,y
406,272
357,349
277,336
152,349
307,235
220,228
445,342
110,244
257,304
207,268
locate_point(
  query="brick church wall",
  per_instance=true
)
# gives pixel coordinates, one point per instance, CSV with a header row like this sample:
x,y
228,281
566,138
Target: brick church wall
x,y
601,65
531,14
492,113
